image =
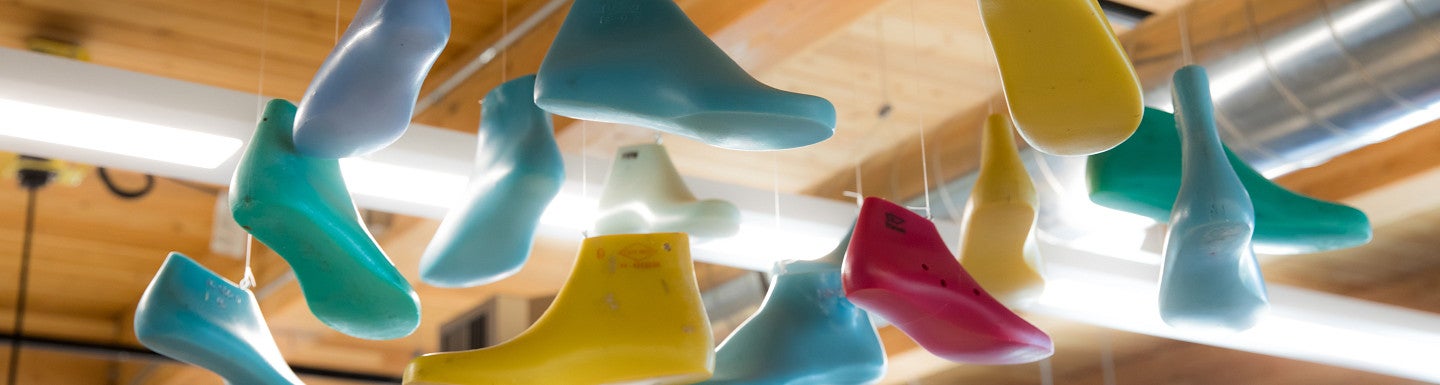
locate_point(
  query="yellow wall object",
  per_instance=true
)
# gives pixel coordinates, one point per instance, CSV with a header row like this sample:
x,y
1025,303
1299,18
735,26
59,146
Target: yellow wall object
x,y
629,314
998,221
1070,87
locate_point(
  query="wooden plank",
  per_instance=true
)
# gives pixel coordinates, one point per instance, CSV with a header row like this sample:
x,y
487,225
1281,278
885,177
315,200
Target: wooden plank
x,y
63,325
39,366
1404,156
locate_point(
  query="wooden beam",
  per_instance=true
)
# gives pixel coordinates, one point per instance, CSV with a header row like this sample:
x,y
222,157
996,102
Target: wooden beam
x,y
39,366
1406,155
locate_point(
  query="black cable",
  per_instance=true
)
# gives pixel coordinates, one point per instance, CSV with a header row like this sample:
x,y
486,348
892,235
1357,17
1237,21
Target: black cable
x,y
24,285
132,194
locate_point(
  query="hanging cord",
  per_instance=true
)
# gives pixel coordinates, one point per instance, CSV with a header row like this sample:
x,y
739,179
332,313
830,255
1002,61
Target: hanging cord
x,y
504,33
264,46
127,194
775,180
881,115
1107,357
247,281
1047,373
920,113
585,174
1186,57
32,181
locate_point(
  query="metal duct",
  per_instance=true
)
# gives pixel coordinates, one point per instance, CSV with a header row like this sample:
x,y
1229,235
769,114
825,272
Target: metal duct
x,y
1297,82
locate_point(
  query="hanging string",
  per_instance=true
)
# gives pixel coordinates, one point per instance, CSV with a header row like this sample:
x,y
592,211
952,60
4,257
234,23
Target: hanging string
x,y
880,116
585,173
884,66
1107,358
504,33
248,280
1186,56
264,45
23,286
337,22
775,180
1047,373
920,113
585,160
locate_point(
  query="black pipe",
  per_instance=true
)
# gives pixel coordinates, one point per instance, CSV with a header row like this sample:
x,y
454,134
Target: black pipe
x,y
121,352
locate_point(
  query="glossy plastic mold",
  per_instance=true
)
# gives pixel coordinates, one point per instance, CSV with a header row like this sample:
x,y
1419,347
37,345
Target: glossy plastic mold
x,y
1142,176
1070,87
899,268
362,97
805,333
643,63
995,233
629,314
518,171
644,194
299,207
191,314
1210,279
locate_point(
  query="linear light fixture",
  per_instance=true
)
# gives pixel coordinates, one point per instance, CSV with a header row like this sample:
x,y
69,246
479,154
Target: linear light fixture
x,y
118,136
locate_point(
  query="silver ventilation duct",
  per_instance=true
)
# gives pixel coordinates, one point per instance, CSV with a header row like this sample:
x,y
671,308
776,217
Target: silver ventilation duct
x,y
1297,82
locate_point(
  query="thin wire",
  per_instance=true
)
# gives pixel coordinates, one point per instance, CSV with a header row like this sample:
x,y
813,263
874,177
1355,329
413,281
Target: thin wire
x,y
884,63
264,45
585,173
920,113
504,32
18,329
248,280
775,179
1047,373
337,22
1186,56
1107,358
885,106
585,160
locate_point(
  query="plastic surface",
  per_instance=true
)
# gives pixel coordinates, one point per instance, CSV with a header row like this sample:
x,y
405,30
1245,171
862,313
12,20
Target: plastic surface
x,y
362,97
996,244
299,207
643,63
805,333
644,194
1142,176
191,314
518,171
629,314
1070,87
899,268
1210,279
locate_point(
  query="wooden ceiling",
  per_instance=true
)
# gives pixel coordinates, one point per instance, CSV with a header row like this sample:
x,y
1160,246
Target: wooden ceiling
x,y
926,59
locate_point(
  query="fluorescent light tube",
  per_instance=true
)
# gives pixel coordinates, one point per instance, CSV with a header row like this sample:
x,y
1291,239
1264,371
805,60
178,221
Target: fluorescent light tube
x,y
114,135
413,185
